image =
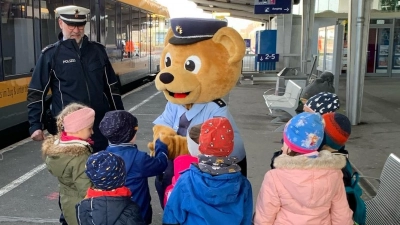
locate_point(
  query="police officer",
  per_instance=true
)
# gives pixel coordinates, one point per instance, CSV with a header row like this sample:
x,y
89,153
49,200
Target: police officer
x,y
76,70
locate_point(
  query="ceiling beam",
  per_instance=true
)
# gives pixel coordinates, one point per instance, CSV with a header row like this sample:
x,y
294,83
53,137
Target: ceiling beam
x,y
240,7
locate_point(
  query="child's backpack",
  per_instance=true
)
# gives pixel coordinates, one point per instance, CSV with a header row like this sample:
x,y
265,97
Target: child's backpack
x,y
353,193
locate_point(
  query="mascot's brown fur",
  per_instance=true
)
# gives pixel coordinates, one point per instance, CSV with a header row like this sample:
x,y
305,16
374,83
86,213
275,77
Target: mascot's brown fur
x,y
202,72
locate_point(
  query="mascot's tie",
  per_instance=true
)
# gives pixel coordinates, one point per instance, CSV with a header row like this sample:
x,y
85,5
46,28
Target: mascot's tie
x,y
183,125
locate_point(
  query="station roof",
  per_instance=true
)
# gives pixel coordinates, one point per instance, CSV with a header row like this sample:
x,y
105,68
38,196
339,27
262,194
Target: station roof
x,y
148,5
243,9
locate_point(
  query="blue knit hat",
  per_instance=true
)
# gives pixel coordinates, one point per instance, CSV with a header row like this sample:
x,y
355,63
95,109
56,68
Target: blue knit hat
x,y
106,170
304,132
118,126
324,102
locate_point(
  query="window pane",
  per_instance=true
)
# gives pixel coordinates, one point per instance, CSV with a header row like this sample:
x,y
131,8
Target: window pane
x,y
50,28
110,22
17,37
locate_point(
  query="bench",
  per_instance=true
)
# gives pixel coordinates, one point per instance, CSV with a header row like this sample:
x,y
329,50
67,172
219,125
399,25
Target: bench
x,y
384,207
288,102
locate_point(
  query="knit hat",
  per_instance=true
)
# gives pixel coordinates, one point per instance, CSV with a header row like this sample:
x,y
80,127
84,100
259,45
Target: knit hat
x,y
78,120
216,137
106,170
118,126
324,102
304,132
337,130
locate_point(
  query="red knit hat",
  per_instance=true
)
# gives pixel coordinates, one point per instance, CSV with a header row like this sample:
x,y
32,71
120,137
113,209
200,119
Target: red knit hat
x,y
216,137
337,129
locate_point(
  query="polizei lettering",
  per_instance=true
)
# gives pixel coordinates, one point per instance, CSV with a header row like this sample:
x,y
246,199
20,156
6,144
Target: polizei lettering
x,y
69,61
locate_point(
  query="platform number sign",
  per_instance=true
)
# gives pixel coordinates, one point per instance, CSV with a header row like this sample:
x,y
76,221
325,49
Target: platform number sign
x,y
268,57
272,6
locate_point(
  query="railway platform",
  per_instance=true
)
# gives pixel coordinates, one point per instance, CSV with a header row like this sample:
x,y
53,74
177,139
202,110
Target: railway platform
x,y
29,194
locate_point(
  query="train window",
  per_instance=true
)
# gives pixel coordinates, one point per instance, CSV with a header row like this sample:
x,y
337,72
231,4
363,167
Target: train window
x,y
49,25
128,45
135,33
17,37
110,32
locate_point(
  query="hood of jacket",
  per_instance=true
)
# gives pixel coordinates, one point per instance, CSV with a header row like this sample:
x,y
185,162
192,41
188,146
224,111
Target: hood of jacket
x,y
309,180
59,153
216,190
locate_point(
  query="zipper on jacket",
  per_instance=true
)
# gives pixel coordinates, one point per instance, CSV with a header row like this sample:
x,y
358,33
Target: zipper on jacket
x,y
85,75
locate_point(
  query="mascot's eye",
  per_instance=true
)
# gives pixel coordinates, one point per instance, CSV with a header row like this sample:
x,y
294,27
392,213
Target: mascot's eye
x,y
193,64
167,60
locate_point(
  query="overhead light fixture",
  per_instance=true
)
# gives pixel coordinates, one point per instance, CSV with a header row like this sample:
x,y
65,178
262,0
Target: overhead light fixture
x,y
211,6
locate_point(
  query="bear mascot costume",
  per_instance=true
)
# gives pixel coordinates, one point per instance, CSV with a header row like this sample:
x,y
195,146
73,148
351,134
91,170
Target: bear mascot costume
x,y
201,62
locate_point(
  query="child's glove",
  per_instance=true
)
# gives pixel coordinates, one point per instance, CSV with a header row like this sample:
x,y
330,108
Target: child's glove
x,y
159,130
177,145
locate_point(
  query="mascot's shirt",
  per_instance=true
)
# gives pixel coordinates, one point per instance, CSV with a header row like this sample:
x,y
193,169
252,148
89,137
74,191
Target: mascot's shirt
x,y
199,113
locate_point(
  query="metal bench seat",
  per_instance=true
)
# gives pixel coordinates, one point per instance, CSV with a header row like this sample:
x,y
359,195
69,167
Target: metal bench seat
x,y
384,207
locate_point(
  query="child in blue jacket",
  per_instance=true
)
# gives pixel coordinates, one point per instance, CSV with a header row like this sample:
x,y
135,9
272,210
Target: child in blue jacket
x,y
120,128
212,191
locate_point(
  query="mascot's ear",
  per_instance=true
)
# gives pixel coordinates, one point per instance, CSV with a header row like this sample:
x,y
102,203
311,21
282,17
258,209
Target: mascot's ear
x,y
169,35
233,43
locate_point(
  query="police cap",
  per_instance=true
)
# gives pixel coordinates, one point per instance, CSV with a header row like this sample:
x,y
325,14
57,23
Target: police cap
x,y
192,30
73,15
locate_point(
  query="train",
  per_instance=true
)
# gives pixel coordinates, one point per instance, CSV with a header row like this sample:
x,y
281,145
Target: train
x,y
132,31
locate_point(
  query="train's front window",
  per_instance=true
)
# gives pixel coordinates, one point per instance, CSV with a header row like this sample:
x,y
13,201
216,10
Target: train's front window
x,y
17,37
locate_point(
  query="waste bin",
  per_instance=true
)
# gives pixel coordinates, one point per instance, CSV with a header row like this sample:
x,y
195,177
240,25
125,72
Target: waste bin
x,y
289,74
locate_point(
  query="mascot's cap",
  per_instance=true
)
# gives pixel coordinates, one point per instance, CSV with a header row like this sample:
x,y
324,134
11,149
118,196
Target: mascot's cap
x,y
192,30
73,15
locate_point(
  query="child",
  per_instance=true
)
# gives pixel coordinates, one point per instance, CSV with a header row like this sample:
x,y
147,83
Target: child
x,y
183,162
66,155
323,102
212,191
120,128
109,201
306,187
337,132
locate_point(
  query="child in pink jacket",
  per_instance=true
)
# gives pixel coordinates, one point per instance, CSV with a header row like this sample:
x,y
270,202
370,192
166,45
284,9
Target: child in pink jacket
x,y
306,188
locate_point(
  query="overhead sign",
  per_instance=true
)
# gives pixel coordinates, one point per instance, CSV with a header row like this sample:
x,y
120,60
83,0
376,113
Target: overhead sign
x,y
268,57
272,6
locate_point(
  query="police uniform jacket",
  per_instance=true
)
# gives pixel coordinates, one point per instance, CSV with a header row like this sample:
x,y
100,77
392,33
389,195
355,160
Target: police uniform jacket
x,y
78,74
199,113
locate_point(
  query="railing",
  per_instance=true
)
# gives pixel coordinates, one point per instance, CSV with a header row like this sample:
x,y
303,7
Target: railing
x,y
250,64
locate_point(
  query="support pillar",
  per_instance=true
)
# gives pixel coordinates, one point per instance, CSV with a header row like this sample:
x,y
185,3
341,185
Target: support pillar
x,y
306,34
358,29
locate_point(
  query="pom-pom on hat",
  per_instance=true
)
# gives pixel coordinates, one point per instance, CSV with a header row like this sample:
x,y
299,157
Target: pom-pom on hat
x,y
73,15
106,170
304,132
119,126
337,130
323,102
78,120
216,137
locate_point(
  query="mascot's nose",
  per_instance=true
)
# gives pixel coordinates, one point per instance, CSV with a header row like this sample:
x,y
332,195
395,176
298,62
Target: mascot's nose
x,y
166,78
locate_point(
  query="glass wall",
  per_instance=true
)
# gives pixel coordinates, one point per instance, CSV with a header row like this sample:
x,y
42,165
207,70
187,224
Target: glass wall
x,y
396,47
17,37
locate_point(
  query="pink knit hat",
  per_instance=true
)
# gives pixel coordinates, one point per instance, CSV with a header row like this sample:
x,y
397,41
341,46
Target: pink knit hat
x,y
78,120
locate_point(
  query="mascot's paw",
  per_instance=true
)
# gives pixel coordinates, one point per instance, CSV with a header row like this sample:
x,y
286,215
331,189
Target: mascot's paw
x,y
158,131
177,145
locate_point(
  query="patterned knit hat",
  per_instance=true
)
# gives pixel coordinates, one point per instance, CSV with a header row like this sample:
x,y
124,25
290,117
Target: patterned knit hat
x,y
216,137
106,170
118,126
337,130
324,102
304,132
